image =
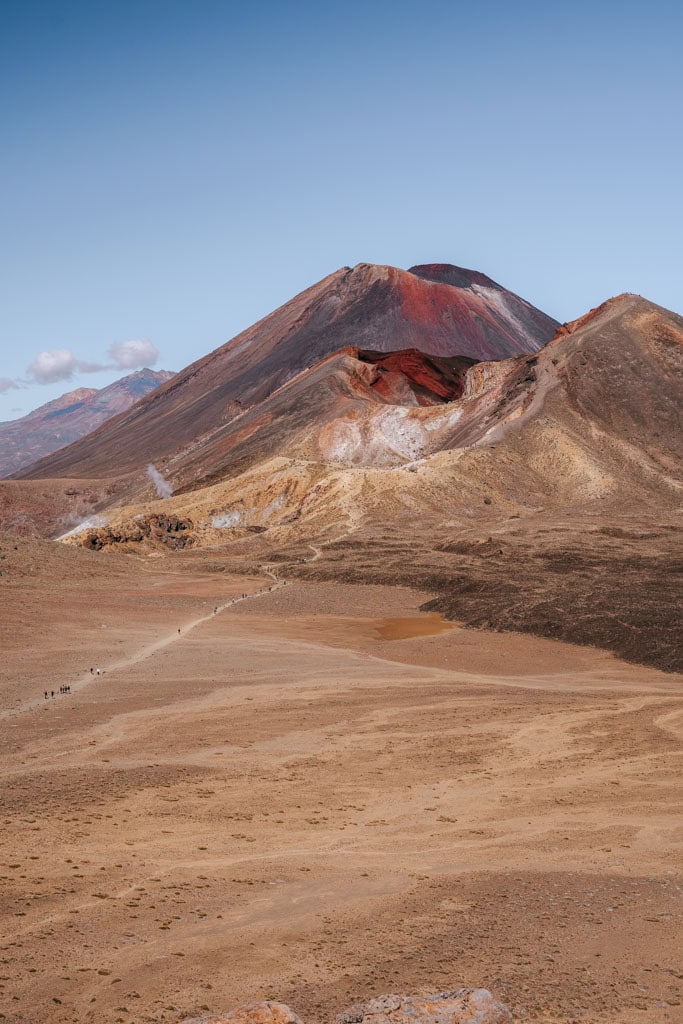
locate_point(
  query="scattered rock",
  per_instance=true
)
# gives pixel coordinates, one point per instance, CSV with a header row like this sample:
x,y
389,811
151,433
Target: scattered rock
x,y
255,1013
461,1006
171,531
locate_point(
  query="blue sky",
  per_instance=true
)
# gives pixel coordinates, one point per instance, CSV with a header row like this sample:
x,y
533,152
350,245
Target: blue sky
x,y
172,171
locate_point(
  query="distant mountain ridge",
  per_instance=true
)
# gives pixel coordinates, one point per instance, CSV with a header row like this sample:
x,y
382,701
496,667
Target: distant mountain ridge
x,y
437,309
70,417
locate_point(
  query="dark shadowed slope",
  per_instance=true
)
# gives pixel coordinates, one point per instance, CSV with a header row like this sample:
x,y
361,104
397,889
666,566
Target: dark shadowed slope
x,y
70,417
377,308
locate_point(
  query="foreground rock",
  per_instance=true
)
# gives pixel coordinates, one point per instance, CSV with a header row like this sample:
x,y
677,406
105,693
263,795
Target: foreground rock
x,y
256,1013
461,1006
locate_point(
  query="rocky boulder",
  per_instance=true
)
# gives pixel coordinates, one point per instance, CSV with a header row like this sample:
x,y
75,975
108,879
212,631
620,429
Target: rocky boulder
x,y
256,1013
168,530
461,1006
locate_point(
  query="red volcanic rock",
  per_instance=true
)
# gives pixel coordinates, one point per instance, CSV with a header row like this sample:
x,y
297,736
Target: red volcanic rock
x,y
463,1006
371,308
70,417
483,311
479,316
429,379
256,1013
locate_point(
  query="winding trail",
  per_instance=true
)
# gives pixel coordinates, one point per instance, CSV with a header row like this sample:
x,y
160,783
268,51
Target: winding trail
x,y
159,645
183,631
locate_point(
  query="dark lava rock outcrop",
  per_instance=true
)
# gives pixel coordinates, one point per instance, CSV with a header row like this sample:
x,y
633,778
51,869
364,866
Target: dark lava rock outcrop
x,y
169,531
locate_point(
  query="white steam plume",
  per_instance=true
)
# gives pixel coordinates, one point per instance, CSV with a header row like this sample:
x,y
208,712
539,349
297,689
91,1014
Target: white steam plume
x,y
163,488
89,523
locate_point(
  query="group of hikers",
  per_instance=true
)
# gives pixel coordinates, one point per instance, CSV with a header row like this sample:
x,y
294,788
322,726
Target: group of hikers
x,y
243,597
49,694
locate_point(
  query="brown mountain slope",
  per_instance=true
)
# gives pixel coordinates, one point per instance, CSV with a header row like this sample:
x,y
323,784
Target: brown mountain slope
x,y
296,420
609,386
544,499
594,416
70,417
563,518
371,307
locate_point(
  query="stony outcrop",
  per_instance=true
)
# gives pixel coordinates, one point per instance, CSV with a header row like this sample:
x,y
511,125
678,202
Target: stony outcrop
x,y
169,531
461,1006
256,1013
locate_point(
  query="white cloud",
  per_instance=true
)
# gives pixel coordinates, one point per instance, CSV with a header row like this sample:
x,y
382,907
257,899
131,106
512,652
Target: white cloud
x,y
62,364
128,355
49,367
7,384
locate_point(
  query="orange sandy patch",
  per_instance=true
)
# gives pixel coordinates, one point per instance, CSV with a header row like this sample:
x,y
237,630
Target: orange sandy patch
x,y
407,627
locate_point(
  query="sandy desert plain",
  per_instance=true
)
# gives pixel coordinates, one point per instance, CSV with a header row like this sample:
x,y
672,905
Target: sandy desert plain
x,y
318,793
